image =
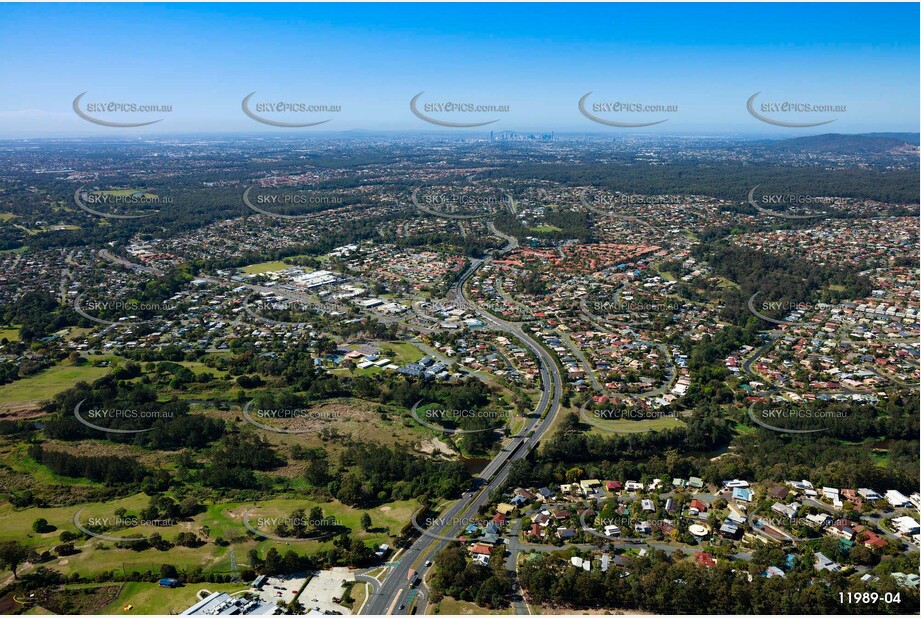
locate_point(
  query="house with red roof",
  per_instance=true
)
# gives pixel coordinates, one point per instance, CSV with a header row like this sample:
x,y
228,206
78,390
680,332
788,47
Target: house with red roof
x,y
704,559
481,548
870,539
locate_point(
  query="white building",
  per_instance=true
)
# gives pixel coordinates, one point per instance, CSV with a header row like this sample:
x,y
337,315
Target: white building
x,y
906,525
819,520
897,498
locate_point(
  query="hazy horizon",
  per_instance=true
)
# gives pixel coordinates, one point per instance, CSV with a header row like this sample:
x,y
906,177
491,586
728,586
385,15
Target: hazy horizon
x,y
536,61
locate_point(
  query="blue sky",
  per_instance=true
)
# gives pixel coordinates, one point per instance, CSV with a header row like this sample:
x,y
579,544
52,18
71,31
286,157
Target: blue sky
x,y
538,59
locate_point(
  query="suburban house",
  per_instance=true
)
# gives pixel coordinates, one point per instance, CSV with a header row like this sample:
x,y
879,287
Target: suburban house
x,y
704,559
906,525
481,553
818,520
742,494
824,563
897,499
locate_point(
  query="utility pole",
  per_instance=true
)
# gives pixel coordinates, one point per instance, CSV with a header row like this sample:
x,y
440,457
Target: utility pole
x,y
234,575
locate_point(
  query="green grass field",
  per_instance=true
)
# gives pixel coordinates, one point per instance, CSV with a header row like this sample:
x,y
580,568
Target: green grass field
x,y
745,429
227,519
545,228
147,599
223,520
402,352
453,607
367,371
48,383
17,523
635,426
199,368
123,193
16,458
359,593
11,334
665,274
264,267
880,457
75,332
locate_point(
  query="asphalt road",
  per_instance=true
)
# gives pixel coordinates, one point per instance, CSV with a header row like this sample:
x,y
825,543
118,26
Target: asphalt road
x,y
394,595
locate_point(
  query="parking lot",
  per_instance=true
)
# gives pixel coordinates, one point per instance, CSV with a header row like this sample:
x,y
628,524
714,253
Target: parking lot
x,y
324,587
281,589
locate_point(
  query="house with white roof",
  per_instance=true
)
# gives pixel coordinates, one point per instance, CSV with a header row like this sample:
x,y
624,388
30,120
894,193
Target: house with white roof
x,y
906,525
897,498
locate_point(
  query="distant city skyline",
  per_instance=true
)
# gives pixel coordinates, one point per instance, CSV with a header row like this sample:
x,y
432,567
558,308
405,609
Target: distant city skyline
x,y
529,64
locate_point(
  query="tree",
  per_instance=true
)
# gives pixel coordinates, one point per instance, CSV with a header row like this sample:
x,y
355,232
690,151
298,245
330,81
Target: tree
x,y
365,522
187,539
273,562
492,593
315,519
12,554
65,549
40,525
189,507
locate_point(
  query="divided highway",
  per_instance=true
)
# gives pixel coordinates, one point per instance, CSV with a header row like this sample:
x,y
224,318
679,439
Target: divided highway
x,y
394,594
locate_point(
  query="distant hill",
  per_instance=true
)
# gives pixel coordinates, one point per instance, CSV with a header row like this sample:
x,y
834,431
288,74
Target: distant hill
x,y
839,143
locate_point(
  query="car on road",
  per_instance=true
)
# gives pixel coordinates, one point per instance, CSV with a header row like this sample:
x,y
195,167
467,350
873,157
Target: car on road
x,y
428,563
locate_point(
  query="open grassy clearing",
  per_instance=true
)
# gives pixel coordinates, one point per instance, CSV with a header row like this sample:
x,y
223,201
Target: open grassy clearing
x,y
223,520
401,352
453,607
10,334
75,332
199,368
358,419
558,419
148,599
636,426
226,520
48,383
123,193
359,594
18,472
264,267
17,523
